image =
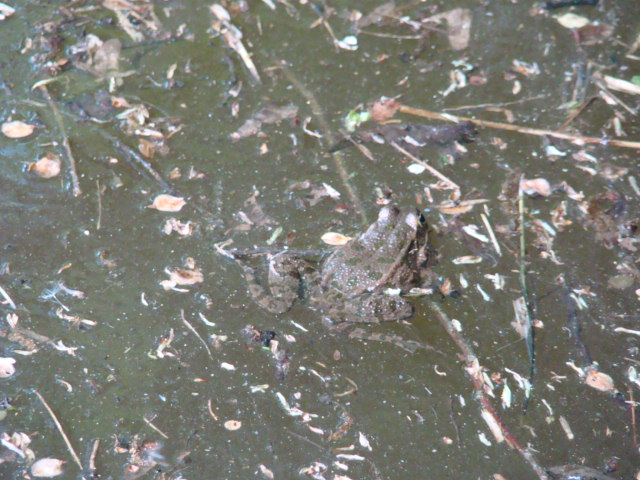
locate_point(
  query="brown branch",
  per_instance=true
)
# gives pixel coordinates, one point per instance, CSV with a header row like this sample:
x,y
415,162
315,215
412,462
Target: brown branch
x,y
65,140
418,112
472,365
60,429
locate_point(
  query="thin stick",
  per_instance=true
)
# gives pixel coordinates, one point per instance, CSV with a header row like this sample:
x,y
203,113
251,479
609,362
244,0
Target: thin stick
x,y
525,291
318,113
210,408
433,171
148,422
184,320
418,112
6,296
92,458
633,417
494,105
472,365
492,235
65,140
64,435
99,220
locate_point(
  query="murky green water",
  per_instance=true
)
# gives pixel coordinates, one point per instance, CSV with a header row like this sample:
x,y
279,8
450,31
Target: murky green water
x,y
109,245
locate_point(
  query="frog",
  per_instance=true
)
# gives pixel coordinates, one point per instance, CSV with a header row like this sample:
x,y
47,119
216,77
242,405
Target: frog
x,y
351,285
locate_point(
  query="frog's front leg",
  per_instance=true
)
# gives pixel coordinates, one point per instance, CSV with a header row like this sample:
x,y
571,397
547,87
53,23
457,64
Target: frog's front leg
x,y
283,282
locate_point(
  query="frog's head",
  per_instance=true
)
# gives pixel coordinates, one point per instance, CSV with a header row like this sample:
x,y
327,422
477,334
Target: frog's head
x,y
398,227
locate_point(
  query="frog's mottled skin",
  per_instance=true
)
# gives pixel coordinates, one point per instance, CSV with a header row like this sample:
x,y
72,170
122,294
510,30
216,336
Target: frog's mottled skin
x,y
349,286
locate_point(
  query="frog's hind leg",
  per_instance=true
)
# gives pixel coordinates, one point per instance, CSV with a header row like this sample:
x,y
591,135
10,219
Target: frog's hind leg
x,y
410,346
283,284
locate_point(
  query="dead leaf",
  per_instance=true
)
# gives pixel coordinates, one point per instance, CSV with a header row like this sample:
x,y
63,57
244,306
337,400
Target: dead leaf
x,y
168,203
536,186
47,467
174,225
335,239
571,20
467,260
383,109
600,381
17,129
7,367
184,276
620,85
232,425
47,167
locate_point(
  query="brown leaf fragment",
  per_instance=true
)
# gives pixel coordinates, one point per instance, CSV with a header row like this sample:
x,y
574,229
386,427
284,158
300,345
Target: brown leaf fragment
x,y
536,186
268,474
233,425
174,225
383,109
613,172
600,381
17,129
454,208
168,203
621,85
184,276
47,467
47,167
558,217
520,323
335,239
6,11
7,367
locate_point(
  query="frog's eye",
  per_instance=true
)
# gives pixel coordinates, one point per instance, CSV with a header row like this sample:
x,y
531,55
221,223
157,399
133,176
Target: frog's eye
x,y
422,221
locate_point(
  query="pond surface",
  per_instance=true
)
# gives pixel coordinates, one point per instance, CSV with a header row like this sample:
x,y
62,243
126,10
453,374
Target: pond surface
x,y
121,359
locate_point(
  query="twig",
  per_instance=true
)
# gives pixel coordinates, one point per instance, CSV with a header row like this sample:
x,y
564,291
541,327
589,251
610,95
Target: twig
x,y
99,220
148,422
65,139
633,418
6,296
455,424
575,114
92,458
139,163
494,105
146,169
492,235
474,372
418,112
529,336
64,435
434,172
318,113
574,325
210,408
184,320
